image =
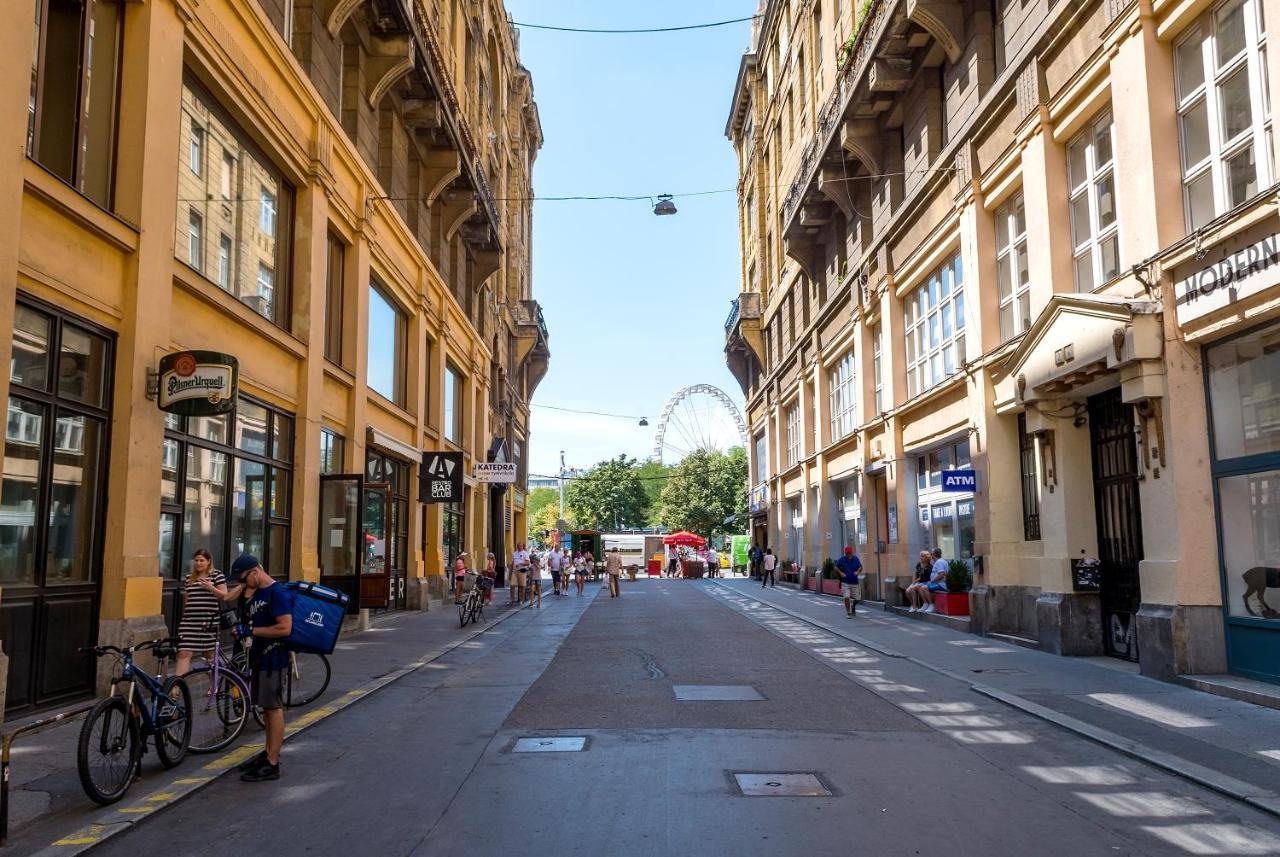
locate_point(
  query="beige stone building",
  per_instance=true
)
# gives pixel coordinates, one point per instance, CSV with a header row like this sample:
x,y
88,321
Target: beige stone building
x,y
1010,288
337,194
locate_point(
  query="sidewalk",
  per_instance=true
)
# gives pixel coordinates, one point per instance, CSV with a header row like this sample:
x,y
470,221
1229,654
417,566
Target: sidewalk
x,y
1225,744
46,799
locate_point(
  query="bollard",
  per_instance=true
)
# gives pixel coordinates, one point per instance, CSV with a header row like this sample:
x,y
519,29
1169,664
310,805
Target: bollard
x,y
6,746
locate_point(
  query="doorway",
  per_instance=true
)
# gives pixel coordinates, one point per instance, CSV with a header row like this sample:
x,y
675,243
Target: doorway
x,y
1119,520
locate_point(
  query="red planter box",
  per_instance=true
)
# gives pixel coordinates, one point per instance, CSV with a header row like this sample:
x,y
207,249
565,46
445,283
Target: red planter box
x,y
951,603
811,584
831,587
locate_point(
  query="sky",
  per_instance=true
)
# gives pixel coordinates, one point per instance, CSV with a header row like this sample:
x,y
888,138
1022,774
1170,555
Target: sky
x,y
635,304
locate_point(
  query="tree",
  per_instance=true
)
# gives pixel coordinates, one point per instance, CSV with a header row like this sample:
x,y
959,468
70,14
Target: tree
x,y
542,507
653,476
609,495
706,488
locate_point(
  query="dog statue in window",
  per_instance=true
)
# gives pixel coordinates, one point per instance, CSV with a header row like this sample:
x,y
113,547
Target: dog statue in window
x,y
1257,581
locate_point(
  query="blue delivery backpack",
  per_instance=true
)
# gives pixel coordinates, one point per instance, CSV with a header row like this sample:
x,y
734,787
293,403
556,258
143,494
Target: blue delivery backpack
x,y
317,617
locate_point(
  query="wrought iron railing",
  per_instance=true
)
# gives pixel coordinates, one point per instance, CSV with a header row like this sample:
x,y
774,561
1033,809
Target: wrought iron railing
x,y
732,321
530,312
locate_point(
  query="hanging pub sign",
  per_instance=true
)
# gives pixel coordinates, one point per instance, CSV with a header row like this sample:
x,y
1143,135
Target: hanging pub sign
x,y
500,472
198,383
440,479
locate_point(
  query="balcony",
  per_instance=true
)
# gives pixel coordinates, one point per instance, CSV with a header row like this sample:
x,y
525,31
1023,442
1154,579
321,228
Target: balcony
x,y
532,340
744,339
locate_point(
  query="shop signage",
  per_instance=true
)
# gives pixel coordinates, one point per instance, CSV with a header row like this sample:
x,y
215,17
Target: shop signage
x,y
959,481
1236,275
500,472
440,480
759,498
198,383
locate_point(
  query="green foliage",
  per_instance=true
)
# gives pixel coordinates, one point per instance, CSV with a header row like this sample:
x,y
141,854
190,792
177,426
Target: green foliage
x,y
829,571
706,488
786,565
542,508
959,578
610,494
653,477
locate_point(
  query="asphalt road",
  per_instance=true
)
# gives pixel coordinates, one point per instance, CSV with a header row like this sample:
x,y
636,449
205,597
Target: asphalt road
x,y
915,763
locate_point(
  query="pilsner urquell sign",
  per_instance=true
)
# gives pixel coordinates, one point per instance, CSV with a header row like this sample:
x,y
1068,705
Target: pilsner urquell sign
x,y
198,383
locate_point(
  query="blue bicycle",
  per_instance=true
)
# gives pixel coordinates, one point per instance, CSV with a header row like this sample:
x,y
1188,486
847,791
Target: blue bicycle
x,y
114,735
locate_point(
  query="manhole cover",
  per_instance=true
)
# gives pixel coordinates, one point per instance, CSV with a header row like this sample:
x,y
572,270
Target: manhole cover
x,y
716,693
781,785
549,745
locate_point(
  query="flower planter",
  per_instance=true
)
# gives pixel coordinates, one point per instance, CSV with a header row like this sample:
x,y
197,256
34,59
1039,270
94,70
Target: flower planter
x,y
811,584
831,587
951,603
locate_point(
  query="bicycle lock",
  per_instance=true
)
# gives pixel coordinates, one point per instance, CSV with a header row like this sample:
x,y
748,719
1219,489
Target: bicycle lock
x,y
5,750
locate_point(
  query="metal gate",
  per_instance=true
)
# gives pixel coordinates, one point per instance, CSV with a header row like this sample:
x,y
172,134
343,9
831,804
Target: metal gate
x,y
1119,512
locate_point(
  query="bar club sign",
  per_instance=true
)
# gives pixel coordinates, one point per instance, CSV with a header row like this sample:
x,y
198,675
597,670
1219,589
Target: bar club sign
x,y
198,383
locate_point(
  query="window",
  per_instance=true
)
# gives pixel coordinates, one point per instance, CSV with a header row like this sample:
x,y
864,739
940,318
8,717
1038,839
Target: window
x,y
1030,487
843,396
1012,269
762,457
75,71
332,451
334,300
1094,223
1223,111
452,405
877,365
195,155
935,327
195,240
256,248
793,434
387,331
224,261
946,520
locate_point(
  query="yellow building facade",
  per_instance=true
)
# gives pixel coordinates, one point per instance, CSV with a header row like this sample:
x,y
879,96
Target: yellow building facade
x,y
335,192
1010,290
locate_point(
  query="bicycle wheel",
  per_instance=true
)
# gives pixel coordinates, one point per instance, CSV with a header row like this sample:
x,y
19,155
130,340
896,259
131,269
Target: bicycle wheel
x,y
218,715
173,722
464,613
308,678
108,752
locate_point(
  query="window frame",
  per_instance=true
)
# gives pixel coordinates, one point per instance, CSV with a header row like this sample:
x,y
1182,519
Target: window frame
x,y
335,299
399,367
195,151
226,249
1010,243
1086,188
793,434
195,240
877,365
842,393
927,344
452,424
1029,473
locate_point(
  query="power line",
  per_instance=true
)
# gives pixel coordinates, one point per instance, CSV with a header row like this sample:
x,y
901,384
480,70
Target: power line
x,y
577,411
635,30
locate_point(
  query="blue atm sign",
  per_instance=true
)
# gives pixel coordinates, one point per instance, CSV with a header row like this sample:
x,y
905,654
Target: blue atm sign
x,y
959,481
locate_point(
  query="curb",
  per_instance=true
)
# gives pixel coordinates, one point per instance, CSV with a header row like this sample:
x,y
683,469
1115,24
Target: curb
x,y
1258,798
121,818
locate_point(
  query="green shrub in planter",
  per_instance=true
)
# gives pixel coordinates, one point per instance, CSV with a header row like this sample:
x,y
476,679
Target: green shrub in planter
x,y
829,571
959,577
786,565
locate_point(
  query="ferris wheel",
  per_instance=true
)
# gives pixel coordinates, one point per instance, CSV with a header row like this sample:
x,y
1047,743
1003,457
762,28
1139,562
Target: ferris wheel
x,y
698,417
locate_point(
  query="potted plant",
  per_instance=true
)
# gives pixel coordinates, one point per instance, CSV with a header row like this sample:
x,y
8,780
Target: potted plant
x,y
955,601
831,578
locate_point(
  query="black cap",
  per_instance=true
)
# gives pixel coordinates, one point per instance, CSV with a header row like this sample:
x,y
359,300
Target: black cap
x,y
244,563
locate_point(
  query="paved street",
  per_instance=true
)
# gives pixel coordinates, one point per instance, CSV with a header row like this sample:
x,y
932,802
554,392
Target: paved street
x,y
426,765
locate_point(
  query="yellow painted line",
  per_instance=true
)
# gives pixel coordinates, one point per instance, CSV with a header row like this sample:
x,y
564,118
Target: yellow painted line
x,y
136,810
191,781
83,837
161,796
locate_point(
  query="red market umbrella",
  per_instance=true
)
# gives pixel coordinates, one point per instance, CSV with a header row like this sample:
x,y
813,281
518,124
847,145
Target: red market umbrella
x,y
684,539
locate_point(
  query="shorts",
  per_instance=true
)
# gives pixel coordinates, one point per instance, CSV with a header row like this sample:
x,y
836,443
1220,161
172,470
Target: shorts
x,y
268,689
521,578
937,587
555,575
852,590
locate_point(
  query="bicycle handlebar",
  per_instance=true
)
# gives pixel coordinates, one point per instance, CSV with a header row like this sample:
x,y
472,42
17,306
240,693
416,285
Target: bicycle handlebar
x,y
99,651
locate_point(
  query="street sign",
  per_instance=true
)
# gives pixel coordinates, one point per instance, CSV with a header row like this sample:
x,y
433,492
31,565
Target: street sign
x,y
440,480
198,383
500,472
959,481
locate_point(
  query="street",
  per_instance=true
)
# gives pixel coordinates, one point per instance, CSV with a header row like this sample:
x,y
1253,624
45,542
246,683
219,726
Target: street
x,y
915,763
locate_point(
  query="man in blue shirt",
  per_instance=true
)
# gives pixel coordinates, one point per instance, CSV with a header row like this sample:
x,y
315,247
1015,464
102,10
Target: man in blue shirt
x,y
850,569
270,610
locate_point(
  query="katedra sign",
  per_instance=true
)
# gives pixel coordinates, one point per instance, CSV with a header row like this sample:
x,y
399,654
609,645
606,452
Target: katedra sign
x,y
198,383
496,472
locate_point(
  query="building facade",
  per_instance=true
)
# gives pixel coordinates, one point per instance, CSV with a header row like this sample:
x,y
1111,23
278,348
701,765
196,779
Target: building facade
x,y
337,194
1011,289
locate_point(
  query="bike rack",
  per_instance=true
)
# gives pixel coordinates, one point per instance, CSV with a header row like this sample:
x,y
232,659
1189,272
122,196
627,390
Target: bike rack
x,y
6,745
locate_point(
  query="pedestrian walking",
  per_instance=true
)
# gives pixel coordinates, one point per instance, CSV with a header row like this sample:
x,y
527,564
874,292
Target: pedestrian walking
x,y
491,572
580,572
270,610
555,562
754,556
713,563
613,567
202,594
519,573
533,584
768,563
850,568
673,563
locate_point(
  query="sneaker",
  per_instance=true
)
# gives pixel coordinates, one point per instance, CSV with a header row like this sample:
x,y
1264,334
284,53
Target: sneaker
x,y
928,608
262,773
252,762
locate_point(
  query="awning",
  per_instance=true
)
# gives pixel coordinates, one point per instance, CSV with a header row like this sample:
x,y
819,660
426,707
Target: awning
x,y
684,539
387,443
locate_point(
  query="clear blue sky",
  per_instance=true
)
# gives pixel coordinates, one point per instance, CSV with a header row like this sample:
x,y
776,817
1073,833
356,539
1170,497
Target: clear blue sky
x,y
635,303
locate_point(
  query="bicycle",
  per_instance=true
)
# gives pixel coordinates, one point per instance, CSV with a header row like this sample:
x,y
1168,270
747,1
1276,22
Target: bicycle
x,y
114,735
472,607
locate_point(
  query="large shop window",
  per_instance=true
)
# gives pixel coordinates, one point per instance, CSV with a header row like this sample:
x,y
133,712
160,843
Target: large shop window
x,y
844,397
75,79
55,451
225,486
1012,269
946,520
452,404
246,204
1244,403
454,535
1224,111
387,338
935,327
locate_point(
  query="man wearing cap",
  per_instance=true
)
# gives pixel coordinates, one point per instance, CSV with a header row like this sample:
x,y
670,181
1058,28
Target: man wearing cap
x,y
850,568
270,613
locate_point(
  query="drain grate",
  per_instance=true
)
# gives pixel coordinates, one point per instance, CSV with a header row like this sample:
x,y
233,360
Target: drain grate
x,y
716,693
572,744
775,784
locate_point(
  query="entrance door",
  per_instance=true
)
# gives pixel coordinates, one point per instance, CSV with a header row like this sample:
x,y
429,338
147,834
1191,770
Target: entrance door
x,y
341,534
1119,513
375,577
